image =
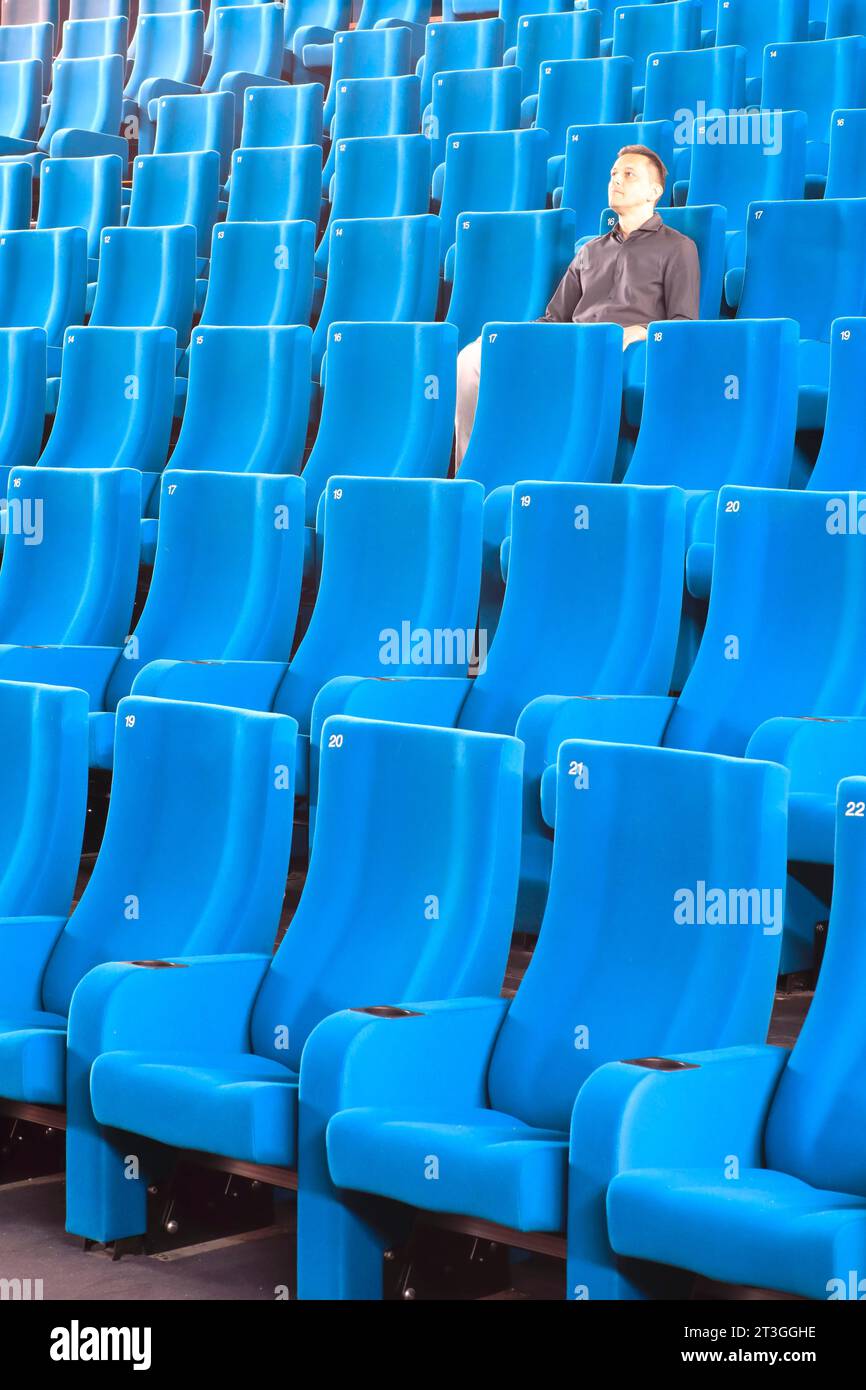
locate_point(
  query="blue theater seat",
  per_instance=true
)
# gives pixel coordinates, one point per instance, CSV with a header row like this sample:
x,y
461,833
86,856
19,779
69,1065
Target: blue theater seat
x,y
695,83
754,26
818,79
544,37
705,226
102,9
146,279
228,1082
22,390
30,12
476,43
310,21
538,246
21,41
86,107
276,185
282,116
409,15
402,557
156,889
491,171
368,53
591,566
509,11
642,30
210,12
44,797
16,193
580,91
20,105
760,156
116,400
846,167
794,1220
248,44
486,99
261,273
839,466
388,404
150,7
43,283
206,121
94,38
377,176
173,189
83,192
489,1107
380,269
247,402
845,17
590,154
168,55
373,106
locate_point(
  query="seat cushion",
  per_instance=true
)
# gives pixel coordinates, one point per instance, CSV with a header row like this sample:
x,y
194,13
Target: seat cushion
x,y
765,1228
33,1057
478,1163
239,1105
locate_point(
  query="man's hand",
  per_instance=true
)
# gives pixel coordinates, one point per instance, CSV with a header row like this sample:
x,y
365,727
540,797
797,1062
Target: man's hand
x,y
635,334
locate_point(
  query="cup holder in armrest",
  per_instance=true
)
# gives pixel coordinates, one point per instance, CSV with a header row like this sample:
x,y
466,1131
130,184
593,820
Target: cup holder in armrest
x,y
158,964
387,1011
661,1064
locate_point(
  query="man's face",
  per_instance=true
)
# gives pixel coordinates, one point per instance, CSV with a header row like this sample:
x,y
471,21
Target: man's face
x,y
633,183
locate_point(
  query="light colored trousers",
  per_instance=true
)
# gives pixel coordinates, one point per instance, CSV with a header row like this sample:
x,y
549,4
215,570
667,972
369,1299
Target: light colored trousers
x,y
468,378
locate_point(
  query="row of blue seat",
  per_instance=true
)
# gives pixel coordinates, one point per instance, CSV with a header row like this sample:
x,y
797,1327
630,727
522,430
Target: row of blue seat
x,y
371,1054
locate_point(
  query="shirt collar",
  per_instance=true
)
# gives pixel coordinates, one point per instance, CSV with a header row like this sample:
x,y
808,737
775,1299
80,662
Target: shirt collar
x,y
652,224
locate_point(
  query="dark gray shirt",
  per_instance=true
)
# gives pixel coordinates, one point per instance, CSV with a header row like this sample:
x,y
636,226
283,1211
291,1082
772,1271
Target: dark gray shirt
x,y
651,274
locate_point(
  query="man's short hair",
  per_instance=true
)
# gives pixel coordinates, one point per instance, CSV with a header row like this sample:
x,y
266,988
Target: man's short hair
x,y
658,165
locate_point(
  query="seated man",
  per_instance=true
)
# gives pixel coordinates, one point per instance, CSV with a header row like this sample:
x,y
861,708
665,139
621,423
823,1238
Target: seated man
x,y
637,273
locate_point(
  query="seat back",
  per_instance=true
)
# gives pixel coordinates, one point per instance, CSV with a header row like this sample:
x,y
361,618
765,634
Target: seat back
x,y
582,91
196,846
19,41
87,95
116,399
541,243
593,598
70,561
401,568
146,279
154,7
447,857
44,797
388,405
747,158
276,185
261,274
81,192
373,106
227,573
550,393
787,605
839,467
380,270
471,44
16,193
172,189
381,175
211,21
630,964
705,226
368,53
806,261
484,99
30,12
694,81
735,386
323,14
373,12
590,154
818,80
844,17
43,280
246,38
812,1130
283,115
248,401
754,26
95,38
846,168
168,46
186,124
492,171
541,38
20,98
22,390
511,11
100,9
639,30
